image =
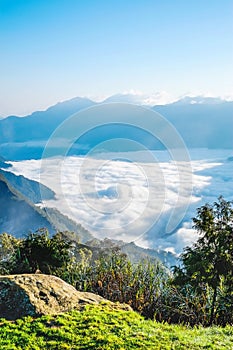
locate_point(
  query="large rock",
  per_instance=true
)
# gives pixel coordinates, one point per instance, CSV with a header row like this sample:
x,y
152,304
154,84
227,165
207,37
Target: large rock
x,y
38,294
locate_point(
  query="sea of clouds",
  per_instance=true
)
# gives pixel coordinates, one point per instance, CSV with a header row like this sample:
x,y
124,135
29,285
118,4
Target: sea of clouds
x,y
133,197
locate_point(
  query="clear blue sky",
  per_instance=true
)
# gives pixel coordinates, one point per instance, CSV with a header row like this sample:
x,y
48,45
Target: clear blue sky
x,y
53,50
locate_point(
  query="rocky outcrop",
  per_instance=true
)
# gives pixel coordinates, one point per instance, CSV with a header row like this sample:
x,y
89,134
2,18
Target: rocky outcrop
x,y
38,294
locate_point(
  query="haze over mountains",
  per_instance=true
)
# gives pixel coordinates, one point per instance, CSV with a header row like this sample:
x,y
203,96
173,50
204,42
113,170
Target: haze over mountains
x,y
202,123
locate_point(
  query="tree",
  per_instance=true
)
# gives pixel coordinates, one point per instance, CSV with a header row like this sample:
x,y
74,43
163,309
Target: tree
x,y
40,252
210,260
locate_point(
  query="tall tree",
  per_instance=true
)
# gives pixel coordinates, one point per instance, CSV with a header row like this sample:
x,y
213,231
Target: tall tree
x,y
210,260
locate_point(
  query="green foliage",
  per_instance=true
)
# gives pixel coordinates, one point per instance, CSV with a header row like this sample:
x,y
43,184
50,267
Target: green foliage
x,y
184,305
211,256
208,265
99,327
115,278
36,252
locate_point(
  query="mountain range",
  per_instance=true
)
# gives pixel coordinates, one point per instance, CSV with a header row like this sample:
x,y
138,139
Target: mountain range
x,y
202,123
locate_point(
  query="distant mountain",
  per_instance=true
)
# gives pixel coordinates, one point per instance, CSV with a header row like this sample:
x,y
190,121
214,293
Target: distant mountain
x,y
28,135
162,98
138,99
123,98
134,252
189,100
201,125
201,122
19,216
40,125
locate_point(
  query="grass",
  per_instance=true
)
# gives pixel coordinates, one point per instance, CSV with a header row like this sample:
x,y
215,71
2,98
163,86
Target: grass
x,y
99,327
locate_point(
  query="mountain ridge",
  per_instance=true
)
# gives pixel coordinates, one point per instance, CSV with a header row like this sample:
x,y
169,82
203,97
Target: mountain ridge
x,y
124,98
19,215
201,125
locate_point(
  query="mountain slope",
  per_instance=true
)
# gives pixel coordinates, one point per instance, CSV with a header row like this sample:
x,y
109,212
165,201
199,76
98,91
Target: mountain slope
x,y
19,216
16,215
30,189
135,253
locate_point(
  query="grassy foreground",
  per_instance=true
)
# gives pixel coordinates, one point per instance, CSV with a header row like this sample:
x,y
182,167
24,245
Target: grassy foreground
x,y
99,327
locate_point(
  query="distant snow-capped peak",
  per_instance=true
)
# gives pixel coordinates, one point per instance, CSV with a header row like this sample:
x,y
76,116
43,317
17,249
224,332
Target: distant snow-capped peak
x,y
191,100
157,98
162,98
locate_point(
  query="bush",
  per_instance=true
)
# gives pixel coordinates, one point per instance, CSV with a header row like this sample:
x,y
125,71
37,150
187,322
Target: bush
x,y
36,252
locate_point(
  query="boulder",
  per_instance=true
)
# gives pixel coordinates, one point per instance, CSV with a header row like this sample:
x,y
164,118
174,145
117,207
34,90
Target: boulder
x,y
39,294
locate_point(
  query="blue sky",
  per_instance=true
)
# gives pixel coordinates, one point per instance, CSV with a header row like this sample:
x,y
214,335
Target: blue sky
x,y
57,49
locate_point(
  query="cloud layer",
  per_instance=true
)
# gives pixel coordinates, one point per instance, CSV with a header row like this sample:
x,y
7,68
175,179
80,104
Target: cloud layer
x,y
126,196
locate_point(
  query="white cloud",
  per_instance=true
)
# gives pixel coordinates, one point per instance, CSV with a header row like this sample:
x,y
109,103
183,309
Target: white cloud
x,y
132,201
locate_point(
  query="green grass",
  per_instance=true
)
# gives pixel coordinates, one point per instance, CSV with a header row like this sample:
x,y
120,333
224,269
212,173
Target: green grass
x,y
99,327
